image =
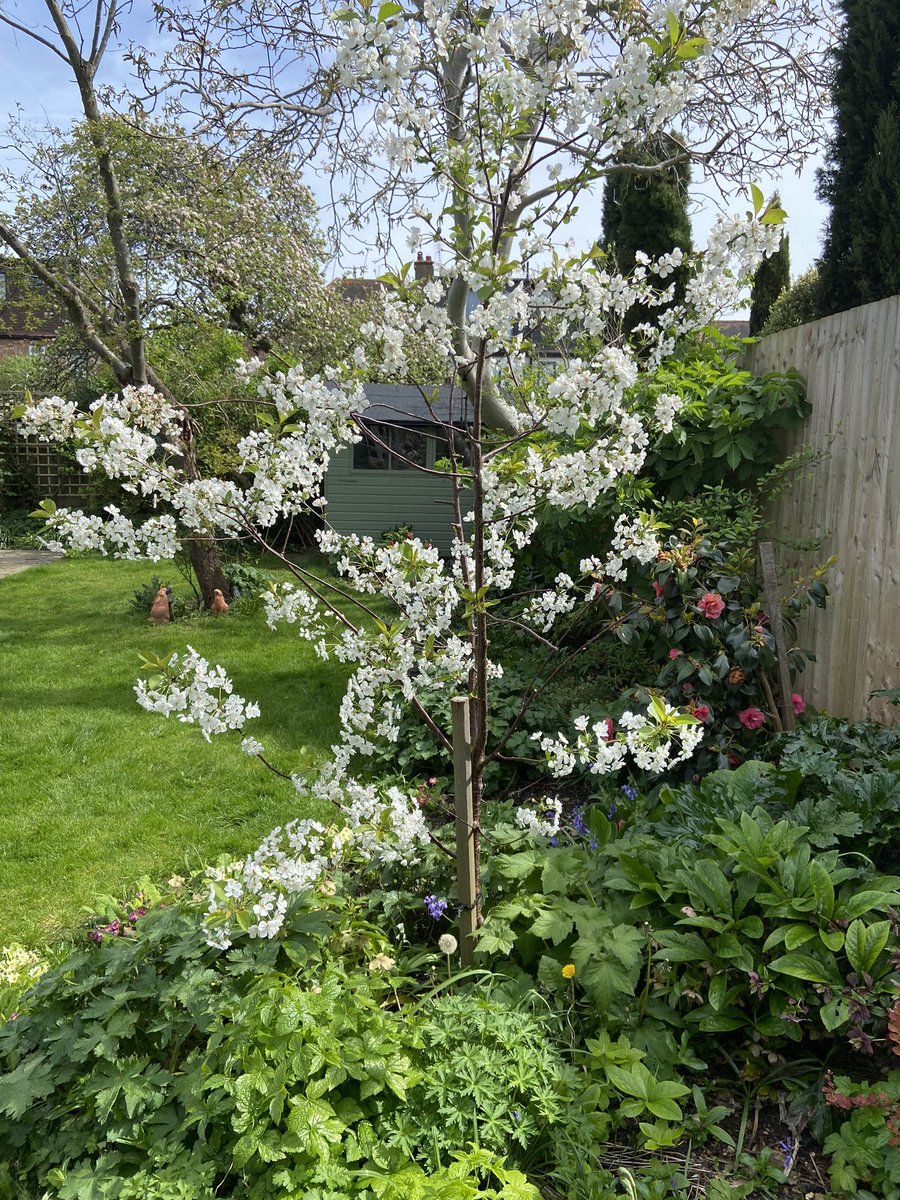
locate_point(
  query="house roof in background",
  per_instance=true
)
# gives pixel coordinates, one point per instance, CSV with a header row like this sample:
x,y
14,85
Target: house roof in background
x,y
404,404
739,329
352,288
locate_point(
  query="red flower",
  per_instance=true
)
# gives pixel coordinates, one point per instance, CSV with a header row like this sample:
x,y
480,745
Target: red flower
x,y
609,729
673,653
799,704
656,587
701,712
711,605
733,760
752,718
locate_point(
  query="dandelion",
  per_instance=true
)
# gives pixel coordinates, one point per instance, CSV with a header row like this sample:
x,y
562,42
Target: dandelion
x,y
568,971
447,944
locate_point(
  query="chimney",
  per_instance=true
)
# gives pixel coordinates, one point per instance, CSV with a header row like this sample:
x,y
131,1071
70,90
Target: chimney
x,y
424,267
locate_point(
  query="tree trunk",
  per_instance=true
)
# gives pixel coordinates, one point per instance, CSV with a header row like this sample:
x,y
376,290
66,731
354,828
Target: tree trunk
x,y
204,555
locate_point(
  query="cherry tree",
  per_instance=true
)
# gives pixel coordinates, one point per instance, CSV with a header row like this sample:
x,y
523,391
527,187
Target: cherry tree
x,y
494,122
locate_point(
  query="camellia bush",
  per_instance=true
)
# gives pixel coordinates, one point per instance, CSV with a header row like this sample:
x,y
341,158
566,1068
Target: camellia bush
x,y
505,116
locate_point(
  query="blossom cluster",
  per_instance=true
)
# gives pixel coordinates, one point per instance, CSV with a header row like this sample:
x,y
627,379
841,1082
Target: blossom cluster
x,y
253,894
196,694
656,740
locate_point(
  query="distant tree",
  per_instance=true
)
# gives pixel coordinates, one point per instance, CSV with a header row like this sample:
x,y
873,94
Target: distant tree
x,y
772,276
648,213
797,305
861,178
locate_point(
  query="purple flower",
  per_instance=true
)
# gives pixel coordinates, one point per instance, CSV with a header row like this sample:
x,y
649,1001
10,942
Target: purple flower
x,y
436,908
861,1041
114,928
554,841
592,845
137,913
757,987
629,792
578,822
95,935
787,1150
611,812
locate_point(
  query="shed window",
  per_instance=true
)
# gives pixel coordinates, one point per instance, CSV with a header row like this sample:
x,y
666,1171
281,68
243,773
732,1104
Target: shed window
x,y
411,443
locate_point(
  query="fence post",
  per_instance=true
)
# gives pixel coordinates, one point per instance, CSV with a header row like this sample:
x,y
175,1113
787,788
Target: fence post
x,y
773,608
465,832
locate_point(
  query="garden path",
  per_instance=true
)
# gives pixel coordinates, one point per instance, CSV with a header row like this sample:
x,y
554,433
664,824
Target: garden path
x,y
13,561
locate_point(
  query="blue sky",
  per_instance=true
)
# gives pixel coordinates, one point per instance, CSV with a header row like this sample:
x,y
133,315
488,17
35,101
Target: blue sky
x,y
36,81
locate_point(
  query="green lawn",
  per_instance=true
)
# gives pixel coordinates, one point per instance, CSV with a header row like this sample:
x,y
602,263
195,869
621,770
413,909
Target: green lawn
x,y
94,792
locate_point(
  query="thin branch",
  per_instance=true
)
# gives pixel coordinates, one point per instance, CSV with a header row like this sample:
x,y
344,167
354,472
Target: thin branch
x,y
31,33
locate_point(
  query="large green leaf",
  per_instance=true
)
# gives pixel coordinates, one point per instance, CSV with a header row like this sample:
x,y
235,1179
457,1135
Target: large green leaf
x,y
863,944
804,966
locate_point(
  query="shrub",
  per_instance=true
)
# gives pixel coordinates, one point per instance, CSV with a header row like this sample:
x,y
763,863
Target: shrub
x,y
796,305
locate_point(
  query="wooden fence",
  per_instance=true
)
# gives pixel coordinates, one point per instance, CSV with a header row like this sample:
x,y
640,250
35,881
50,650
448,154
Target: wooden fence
x,y
852,366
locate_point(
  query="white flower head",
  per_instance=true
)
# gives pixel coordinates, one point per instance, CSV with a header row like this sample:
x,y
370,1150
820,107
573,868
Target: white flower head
x,y
447,944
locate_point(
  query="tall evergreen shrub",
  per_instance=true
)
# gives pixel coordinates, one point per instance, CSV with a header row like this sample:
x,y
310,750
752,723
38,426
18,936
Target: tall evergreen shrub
x,y
861,178
647,212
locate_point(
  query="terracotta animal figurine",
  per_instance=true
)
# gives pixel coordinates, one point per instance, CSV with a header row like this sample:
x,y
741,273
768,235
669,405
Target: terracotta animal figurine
x,y
160,613
219,603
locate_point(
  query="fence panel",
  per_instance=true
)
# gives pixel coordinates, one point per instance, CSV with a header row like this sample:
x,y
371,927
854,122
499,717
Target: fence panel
x,y
852,366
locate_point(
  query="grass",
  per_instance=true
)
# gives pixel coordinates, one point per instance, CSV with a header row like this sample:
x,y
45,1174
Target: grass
x,y
94,792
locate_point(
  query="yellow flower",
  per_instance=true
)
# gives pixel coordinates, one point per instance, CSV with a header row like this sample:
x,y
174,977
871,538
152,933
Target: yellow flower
x,y
568,971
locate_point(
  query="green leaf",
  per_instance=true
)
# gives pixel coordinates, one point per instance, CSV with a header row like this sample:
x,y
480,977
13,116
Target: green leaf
x,y
835,1013
804,966
823,889
757,197
387,10
798,935
864,902
553,924
863,944
717,989
833,939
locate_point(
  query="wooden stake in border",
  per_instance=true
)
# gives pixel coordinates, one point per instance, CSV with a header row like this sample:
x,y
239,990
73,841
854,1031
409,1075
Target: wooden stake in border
x,y
465,832
773,608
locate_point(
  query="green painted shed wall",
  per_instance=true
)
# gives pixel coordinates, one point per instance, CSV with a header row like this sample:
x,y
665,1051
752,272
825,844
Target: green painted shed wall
x,y
370,502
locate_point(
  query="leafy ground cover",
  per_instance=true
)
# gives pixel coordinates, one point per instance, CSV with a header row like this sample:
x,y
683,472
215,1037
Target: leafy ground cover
x,y
97,793
667,1004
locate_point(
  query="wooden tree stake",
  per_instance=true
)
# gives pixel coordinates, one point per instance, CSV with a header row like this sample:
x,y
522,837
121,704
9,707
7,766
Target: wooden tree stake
x,y
465,831
773,608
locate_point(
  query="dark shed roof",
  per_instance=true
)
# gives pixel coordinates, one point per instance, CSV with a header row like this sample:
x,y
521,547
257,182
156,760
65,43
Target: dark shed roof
x,y
405,404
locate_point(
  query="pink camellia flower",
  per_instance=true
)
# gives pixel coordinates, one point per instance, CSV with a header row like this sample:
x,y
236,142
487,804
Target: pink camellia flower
x,y
711,605
799,704
657,589
673,653
609,728
701,712
752,718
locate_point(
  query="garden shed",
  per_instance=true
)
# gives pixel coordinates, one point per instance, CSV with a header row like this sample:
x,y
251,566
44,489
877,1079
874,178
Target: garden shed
x,y
371,489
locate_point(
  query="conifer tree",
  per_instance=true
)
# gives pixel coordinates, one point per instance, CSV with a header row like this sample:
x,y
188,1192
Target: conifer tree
x,y
861,179
647,212
772,276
